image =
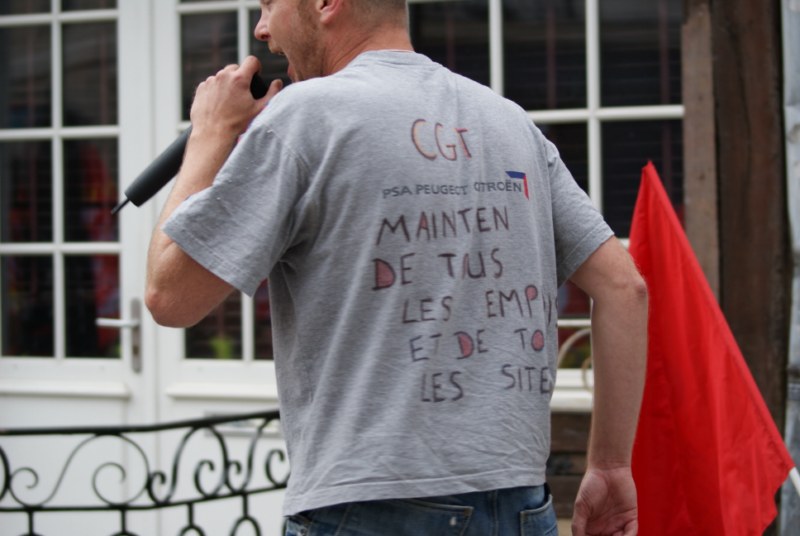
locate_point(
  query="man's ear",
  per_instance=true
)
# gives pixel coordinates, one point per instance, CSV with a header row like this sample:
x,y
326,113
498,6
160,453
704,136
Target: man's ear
x,y
329,9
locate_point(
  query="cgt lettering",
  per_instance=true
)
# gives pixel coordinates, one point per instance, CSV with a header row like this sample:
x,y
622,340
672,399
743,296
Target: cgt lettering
x,y
433,141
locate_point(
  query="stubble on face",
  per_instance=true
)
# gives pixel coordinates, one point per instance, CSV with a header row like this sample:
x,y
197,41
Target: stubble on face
x,y
307,56
294,32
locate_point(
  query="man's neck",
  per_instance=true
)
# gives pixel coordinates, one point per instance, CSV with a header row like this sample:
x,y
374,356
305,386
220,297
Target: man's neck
x,y
377,39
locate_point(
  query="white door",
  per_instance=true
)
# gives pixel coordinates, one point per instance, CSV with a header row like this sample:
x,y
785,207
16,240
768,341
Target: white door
x,y
224,364
68,101
91,91
65,102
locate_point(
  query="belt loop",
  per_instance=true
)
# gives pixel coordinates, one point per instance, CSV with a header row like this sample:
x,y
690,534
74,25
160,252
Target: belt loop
x,y
493,498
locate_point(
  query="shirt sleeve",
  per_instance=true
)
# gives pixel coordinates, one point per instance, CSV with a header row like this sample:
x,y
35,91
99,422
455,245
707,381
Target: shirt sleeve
x,y
240,226
578,226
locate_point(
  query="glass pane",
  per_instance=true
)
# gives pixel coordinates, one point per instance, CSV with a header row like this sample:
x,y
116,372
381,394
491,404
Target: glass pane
x,y
26,284
90,190
571,139
545,54
208,43
272,65
218,335
25,94
263,324
26,192
90,74
21,7
92,288
73,5
640,52
627,147
455,34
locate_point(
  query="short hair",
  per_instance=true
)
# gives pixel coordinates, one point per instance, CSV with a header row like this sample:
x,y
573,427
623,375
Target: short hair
x,y
388,4
384,10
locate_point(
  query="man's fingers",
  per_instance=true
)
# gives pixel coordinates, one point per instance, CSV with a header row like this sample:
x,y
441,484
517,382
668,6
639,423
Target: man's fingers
x,y
250,66
578,526
274,87
632,529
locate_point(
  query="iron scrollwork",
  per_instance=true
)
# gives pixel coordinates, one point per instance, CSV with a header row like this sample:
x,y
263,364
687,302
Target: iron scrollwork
x,y
218,474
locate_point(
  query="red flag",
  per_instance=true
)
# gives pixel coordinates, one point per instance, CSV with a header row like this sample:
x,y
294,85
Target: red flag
x,y
708,458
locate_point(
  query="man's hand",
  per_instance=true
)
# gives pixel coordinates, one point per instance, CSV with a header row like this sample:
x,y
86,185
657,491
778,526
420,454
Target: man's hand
x,y
223,105
180,292
606,504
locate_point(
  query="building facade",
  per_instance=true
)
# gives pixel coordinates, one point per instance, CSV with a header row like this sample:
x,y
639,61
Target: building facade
x,y
93,90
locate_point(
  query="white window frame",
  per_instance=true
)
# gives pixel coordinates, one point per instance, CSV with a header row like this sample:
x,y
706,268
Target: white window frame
x,y
59,376
187,381
57,134
573,386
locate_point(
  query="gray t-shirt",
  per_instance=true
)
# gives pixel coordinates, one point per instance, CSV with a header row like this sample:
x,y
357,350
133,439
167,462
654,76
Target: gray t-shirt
x,y
415,228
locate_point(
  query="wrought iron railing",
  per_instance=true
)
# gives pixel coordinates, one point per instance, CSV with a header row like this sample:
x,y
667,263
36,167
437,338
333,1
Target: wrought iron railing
x,y
227,457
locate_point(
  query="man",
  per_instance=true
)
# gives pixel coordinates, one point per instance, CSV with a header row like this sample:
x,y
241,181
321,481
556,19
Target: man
x,y
415,228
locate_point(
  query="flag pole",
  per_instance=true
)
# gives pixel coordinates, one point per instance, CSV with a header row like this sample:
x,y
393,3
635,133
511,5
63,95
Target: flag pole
x,y
794,475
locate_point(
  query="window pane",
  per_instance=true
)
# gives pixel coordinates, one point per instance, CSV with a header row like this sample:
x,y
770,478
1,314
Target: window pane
x,y
92,289
627,147
25,64
26,284
73,5
208,43
263,324
218,335
571,142
21,7
640,51
26,192
455,34
90,190
272,65
545,54
90,74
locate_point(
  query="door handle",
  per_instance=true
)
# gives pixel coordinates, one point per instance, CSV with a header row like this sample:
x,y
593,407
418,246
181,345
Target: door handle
x,y
131,323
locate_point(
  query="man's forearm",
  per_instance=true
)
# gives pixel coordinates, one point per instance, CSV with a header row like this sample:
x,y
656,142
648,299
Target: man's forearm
x,y
178,288
619,350
180,291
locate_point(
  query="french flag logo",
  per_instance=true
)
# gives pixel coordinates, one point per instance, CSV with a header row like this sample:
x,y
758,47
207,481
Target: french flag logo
x,y
519,175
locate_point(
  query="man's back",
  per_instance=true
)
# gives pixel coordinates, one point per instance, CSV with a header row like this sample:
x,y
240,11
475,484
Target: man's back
x,y
415,229
418,226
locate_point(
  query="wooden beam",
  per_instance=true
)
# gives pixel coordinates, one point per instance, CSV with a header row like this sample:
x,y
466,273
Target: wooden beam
x,y
699,139
755,272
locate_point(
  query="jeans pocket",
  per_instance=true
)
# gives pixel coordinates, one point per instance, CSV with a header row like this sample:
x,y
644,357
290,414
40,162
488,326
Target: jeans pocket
x,y
540,521
296,526
382,518
423,517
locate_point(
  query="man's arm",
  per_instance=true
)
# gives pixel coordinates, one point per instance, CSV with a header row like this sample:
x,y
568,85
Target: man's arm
x,y
606,502
180,292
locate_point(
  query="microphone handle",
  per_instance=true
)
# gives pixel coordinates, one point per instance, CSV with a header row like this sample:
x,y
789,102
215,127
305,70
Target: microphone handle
x,y
166,165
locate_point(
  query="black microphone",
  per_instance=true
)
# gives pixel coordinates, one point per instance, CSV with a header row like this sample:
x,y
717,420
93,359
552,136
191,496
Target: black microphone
x,y
166,165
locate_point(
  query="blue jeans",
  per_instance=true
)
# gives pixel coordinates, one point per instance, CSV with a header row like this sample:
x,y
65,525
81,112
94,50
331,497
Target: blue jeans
x,y
507,512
